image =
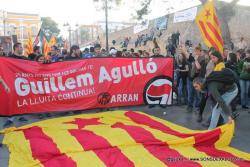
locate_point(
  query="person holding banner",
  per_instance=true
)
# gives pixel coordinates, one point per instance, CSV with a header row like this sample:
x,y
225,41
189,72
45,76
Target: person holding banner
x,y
17,54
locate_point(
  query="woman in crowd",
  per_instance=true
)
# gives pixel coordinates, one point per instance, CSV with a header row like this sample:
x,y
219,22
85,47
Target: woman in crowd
x,y
182,69
218,61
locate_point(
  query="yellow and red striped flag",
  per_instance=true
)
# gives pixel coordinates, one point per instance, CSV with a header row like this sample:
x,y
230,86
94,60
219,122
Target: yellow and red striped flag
x,y
46,47
209,26
28,46
119,139
52,41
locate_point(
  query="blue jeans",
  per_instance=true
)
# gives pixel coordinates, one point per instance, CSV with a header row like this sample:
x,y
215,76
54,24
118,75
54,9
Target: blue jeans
x,y
193,95
217,111
244,87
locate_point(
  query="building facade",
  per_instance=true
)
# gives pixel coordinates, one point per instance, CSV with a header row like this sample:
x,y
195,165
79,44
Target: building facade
x,y
19,25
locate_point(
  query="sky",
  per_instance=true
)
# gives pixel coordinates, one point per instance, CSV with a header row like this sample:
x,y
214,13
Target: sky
x,y
87,12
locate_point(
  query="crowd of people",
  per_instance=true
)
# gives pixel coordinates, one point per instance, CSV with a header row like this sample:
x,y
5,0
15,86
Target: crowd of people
x,y
198,68
195,71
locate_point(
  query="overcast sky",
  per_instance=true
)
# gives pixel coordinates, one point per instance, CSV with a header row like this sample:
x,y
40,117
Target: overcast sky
x,y
87,12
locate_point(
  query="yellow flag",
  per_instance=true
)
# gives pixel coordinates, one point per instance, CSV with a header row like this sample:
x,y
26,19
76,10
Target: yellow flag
x,y
209,26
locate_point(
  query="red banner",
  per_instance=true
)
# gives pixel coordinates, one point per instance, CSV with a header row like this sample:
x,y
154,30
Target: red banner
x,y
84,84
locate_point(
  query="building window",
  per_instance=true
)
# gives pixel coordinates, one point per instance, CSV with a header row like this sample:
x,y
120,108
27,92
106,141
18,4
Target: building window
x,y
34,31
25,32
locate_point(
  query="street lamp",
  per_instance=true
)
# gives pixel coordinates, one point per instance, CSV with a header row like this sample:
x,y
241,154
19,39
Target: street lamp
x,y
4,22
106,19
105,6
77,39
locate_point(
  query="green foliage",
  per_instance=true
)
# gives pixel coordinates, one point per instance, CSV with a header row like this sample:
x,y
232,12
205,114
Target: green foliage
x,y
144,10
50,27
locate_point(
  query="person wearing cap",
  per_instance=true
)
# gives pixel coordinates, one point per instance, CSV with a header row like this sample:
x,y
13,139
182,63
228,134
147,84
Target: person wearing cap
x,y
217,59
75,53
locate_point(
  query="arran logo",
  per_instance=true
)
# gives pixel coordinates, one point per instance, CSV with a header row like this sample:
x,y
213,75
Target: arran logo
x,y
104,98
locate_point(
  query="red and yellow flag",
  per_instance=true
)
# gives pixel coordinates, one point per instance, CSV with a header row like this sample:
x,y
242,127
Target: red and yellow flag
x,y
46,47
52,41
119,139
28,46
209,26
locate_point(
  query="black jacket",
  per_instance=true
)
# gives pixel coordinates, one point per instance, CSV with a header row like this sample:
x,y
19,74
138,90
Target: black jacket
x,y
18,57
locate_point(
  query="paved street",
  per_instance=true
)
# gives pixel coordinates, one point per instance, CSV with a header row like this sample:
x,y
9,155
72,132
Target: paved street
x,y
173,114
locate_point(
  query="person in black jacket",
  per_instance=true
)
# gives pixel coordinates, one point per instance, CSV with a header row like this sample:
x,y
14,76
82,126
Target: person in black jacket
x,y
36,52
18,52
222,85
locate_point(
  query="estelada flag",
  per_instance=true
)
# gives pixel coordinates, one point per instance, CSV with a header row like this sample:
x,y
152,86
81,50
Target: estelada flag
x,y
209,26
119,139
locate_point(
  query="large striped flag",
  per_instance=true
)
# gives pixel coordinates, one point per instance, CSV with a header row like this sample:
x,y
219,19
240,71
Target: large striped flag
x,y
119,139
209,26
